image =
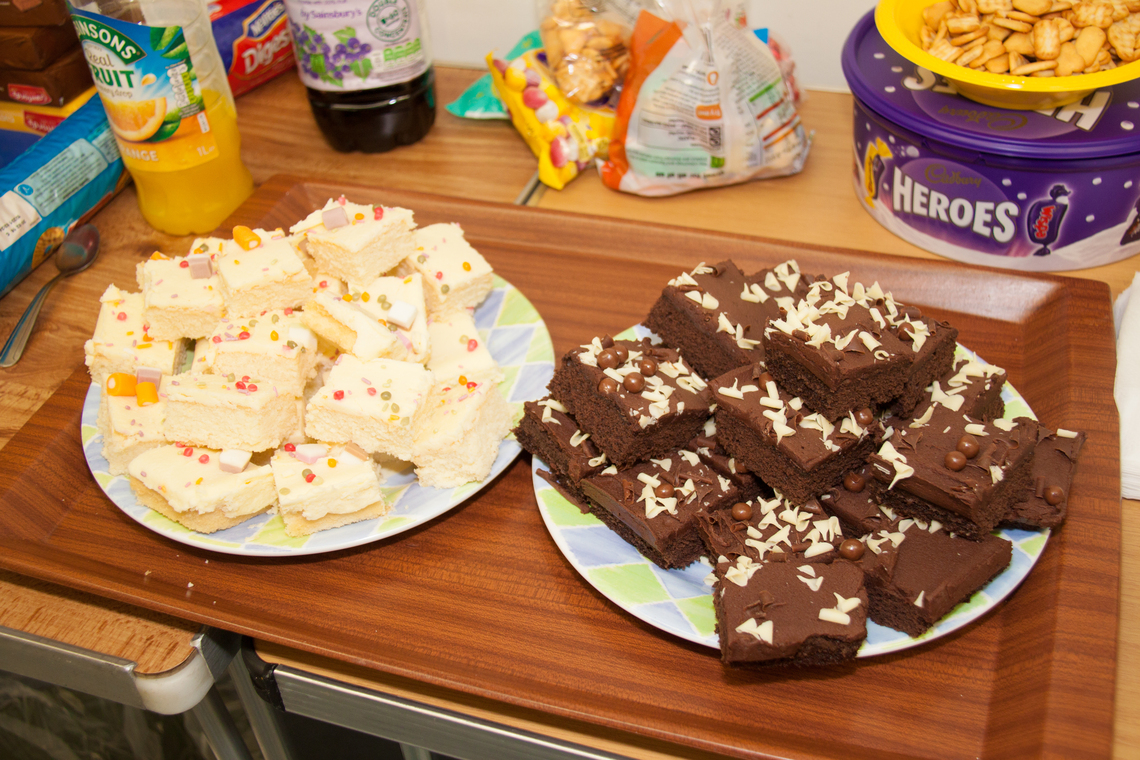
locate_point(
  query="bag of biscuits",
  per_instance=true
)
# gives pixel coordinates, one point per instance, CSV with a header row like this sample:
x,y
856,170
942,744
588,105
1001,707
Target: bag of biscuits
x,y
704,104
587,46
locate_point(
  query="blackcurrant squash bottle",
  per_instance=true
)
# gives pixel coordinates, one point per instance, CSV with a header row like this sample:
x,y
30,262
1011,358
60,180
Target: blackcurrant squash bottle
x,y
368,70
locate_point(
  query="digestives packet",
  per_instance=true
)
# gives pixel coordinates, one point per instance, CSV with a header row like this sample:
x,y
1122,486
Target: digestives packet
x,y
564,136
704,104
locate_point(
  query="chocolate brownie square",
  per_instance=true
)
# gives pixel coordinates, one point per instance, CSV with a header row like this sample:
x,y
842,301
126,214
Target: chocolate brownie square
x,y
716,315
840,348
933,344
771,530
552,435
636,400
970,386
709,449
784,613
961,472
1046,499
775,436
654,505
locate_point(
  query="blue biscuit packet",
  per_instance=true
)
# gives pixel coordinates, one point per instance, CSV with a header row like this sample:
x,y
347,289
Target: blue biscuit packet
x,y
479,101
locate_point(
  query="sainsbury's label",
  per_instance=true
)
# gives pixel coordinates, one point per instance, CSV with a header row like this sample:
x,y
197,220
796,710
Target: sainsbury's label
x,y
358,44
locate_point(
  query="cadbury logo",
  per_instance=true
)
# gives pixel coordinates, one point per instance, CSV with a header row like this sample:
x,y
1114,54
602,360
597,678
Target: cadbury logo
x,y
938,174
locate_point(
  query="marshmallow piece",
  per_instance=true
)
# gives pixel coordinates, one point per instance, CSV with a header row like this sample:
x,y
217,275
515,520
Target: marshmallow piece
x,y
334,217
148,375
200,267
402,314
233,460
120,384
146,393
310,452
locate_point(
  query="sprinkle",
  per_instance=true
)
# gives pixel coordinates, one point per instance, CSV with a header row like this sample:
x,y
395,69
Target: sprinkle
x,y
273,335
332,462
239,385
439,275
463,381
204,459
444,289
184,264
371,391
359,216
289,447
472,344
251,388
121,316
288,311
338,395
365,297
243,335
378,213
466,266
386,395
187,451
310,478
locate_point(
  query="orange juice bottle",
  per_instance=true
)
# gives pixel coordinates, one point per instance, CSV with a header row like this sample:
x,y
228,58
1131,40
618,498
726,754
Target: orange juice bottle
x,y
168,101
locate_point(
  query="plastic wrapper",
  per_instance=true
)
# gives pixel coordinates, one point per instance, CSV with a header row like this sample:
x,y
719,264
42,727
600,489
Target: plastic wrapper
x,y
704,104
564,136
61,181
587,46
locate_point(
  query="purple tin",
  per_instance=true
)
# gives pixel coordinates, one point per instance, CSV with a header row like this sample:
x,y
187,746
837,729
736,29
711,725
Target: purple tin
x,y
1032,190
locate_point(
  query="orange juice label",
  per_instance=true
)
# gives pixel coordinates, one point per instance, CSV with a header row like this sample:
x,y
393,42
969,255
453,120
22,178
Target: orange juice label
x,y
150,91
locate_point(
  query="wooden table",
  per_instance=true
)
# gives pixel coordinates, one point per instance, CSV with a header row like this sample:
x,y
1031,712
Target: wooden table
x,y
487,161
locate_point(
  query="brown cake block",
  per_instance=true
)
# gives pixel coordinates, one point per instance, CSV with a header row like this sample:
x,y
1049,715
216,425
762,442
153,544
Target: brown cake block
x,y
653,505
783,613
716,315
552,435
636,400
712,452
771,530
840,349
775,436
933,357
964,473
970,386
1046,498
916,571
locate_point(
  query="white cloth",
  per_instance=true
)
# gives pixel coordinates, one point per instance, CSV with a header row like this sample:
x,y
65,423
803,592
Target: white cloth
x,y
1126,312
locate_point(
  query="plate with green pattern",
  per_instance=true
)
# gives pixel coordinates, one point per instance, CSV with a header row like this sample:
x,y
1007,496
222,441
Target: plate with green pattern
x,y
680,601
517,338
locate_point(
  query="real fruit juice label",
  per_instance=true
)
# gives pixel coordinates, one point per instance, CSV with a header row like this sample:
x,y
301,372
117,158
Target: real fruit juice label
x,y
358,44
150,91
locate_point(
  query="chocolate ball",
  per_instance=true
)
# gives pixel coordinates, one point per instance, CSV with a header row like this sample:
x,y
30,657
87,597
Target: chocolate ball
x,y
608,359
607,341
906,331
864,417
968,445
956,461
634,382
664,491
1054,495
608,385
647,366
742,511
854,482
622,353
852,549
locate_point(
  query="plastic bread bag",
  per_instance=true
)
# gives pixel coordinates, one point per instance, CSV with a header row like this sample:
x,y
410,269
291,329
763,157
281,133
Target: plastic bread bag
x,y
564,136
704,105
587,46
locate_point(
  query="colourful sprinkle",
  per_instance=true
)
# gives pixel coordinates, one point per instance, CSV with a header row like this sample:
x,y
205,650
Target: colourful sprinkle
x,y
338,395
359,216
121,316
273,335
466,266
310,478
186,452
472,344
371,391
332,462
204,459
184,264
251,388
289,447
378,213
243,335
439,275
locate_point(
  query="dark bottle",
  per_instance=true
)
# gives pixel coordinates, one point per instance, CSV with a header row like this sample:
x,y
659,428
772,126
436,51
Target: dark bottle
x,y
367,68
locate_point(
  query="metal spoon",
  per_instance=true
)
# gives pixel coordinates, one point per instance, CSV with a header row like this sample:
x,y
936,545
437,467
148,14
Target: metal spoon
x,y
77,251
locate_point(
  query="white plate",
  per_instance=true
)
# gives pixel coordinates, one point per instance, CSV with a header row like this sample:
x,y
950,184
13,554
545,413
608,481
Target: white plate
x,y
516,336
680,602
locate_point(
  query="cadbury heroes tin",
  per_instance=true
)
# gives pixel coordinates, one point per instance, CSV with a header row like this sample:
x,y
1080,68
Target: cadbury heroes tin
x,y
1032,190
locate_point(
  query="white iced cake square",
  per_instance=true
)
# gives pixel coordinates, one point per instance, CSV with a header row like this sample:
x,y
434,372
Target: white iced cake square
x,y
374,404
457,349
459,433
189,485
387,319
354,242
268,275
274,346
456,276
129,427
321,487
182,297
120,344
227,411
